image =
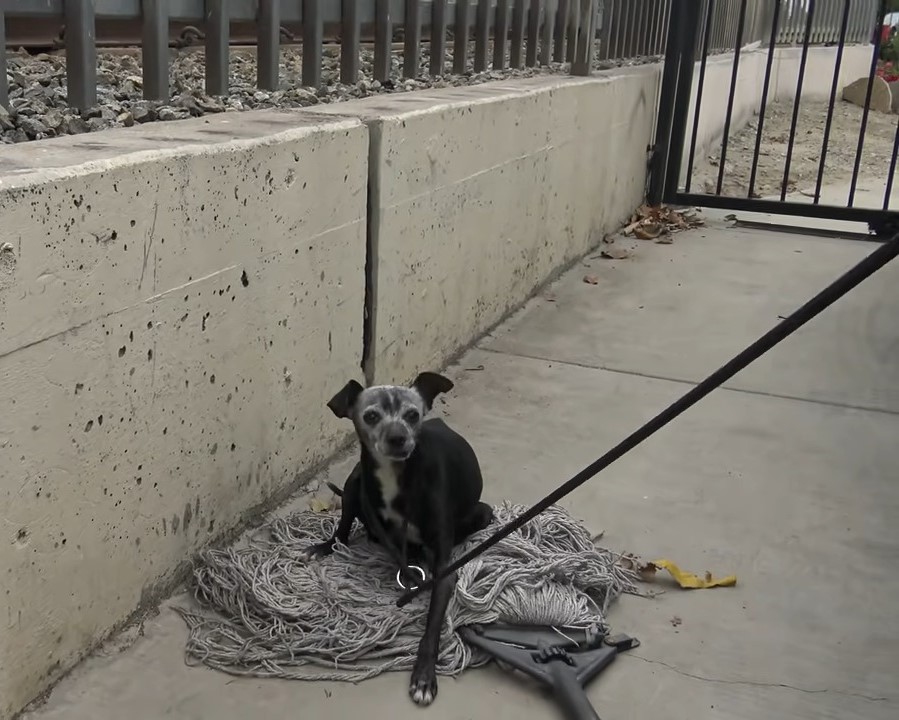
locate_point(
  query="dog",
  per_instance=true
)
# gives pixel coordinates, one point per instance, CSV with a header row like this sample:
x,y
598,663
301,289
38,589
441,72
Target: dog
x,y
417,486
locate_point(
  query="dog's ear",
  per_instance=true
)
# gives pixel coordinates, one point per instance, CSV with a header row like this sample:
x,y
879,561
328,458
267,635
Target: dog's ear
x,y
342,403
429,385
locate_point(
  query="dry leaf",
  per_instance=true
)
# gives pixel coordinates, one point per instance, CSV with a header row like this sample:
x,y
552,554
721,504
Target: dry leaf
x,y
675,621
549,297
614,253
648,231
591,279
664,240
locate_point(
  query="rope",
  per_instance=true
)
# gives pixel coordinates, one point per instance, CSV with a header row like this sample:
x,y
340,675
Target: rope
x,y
829,295
266,611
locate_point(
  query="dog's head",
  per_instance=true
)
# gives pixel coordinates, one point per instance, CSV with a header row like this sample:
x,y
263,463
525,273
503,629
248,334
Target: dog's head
x,y
388,417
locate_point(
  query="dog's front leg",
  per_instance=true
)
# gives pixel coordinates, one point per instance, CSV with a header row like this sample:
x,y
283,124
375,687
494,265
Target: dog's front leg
x,y
423,686
350,509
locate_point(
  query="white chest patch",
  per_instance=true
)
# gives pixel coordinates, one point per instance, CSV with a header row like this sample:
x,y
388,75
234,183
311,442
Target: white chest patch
x,y
390,489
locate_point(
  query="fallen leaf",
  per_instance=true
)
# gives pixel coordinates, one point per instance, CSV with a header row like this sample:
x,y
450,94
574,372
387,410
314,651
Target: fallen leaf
x,y
648,231
664,240
591,279
549,297
675,621
629,230
689,581
615,253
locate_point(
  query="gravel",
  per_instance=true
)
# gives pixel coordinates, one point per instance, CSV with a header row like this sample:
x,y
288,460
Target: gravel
x,y
37,89
842,146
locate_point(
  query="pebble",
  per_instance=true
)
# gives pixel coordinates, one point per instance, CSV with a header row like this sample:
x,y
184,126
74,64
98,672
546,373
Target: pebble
x,y
39,110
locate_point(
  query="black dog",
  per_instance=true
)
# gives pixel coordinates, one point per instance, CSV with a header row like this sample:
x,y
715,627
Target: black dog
x,y
416,489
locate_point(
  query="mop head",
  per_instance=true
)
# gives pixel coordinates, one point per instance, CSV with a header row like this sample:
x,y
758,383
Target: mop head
x,y
266,611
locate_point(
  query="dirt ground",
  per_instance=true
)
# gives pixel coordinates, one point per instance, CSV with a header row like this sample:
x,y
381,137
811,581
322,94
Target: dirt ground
x,y
841,150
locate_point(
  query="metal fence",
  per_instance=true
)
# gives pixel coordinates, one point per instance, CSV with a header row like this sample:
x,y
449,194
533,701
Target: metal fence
x,y
495,34
836,22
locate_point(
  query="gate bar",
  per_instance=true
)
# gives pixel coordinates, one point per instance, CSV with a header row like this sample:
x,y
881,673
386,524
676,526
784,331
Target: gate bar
x,y
797,100
741,24
700,87
763,106
687,12
844,24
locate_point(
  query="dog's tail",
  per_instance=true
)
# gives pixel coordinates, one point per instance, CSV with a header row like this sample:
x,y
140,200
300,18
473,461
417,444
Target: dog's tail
x,y
334,489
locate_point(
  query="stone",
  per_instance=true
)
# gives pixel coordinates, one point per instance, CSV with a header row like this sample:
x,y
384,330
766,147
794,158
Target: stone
x,y
168,113
33,127
6,119
881,97
76,125
210,104
143,112
189,103
54,119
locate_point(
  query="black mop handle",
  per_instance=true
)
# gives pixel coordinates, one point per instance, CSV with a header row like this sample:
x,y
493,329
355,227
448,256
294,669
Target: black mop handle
x,y
570,694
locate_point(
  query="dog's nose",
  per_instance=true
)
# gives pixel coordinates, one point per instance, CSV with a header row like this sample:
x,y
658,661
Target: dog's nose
x,y
396,441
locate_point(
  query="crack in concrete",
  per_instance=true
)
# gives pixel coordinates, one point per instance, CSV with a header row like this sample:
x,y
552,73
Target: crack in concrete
x,y
683,381
759,683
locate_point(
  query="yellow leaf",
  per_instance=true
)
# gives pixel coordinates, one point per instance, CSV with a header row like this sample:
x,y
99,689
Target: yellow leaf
x,y
690,581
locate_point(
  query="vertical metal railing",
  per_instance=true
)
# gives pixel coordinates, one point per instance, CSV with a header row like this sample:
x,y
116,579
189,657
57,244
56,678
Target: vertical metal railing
x,y
486,34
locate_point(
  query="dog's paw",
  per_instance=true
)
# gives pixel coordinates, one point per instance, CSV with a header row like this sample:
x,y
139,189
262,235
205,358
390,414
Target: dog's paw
x,y
319,550
423,688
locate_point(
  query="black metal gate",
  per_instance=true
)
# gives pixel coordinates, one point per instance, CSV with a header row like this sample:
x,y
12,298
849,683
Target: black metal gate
x,y
799,28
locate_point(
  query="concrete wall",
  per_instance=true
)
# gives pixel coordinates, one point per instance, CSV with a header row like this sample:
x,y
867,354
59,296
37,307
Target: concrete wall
x,y
480,193
816,85
172,323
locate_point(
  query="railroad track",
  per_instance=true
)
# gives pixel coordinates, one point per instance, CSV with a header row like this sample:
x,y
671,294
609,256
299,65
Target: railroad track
x,y
44,35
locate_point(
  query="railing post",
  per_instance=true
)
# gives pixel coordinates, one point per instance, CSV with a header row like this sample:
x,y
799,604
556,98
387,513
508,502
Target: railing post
x,y
535,12
546,37
559,32
313,34
438,37
481,35
349,42
461,28
583,57
81,54
217,55
268,44
383,40
155,48
667,98
501,34
412,39
4,88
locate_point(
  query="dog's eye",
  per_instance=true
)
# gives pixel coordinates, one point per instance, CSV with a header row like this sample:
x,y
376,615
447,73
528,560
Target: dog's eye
x,y
412,416
370,417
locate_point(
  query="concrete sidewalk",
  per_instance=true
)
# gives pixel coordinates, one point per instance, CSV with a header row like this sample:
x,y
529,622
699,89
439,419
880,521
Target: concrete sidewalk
x,y
787,478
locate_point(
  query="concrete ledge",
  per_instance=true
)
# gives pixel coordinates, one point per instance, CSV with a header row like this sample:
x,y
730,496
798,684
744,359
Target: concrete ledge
x,y
172,322
479,194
